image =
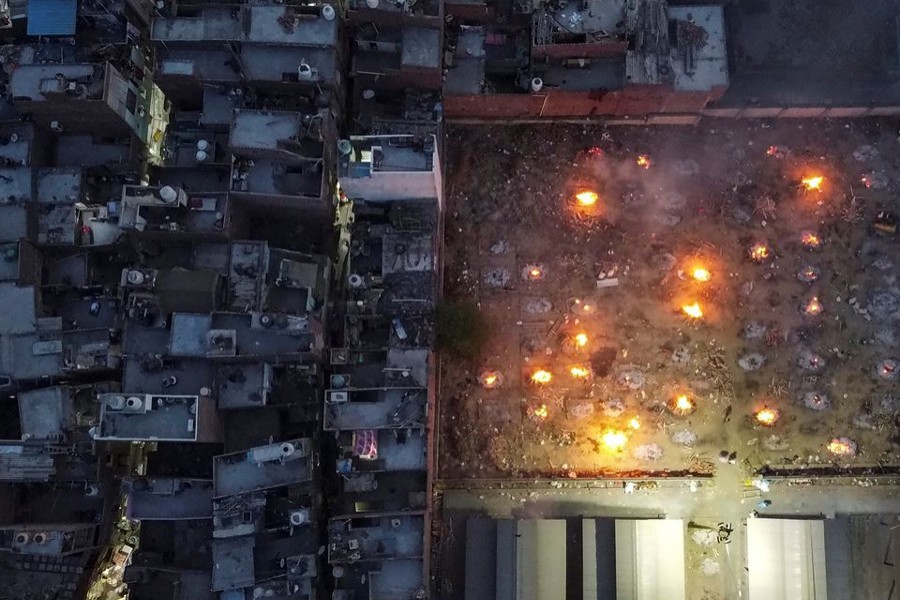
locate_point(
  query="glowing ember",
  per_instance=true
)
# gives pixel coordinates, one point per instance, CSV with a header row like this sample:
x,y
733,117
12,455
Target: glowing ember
x,y
842,446
535,273
579,372
772,151
634,423
767,416
614,440
759,253
811,240
586,198
644,161
682,405
888,369
587,307
693,310
813,307
491,379
813,183
701,274
541,376
581,340
540,412
808,274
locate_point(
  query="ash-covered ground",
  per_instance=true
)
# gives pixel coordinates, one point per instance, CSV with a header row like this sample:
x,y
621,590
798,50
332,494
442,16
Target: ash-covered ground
x,y
592,296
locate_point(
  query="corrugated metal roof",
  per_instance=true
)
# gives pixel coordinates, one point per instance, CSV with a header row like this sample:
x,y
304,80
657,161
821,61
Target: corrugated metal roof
x,y
52,17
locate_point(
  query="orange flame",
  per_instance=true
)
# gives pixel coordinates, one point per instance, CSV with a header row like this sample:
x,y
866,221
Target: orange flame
x,y
581,340
541,412
813,183
634,423
767,416
579,372
682,405
693,310
535,273
586,198
644,161
840,447
759,252
700,274
813,307
614,440
491,379
810,239
541,376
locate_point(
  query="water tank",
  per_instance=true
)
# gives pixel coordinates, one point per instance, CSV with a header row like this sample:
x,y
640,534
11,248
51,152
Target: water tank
x,y
115,402
368,94
304,71
356,281
134,403
205,391
203,145
372,3
299,517
171,195
201,156
40,538
328,12
345,147
135,277
287,449
22,538
537,84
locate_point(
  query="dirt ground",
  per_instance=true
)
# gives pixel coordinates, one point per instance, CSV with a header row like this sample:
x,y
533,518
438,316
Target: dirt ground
x,y
544,268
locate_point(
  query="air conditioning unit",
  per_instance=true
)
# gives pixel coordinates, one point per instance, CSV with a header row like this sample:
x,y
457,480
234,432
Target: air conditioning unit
x,y
337,397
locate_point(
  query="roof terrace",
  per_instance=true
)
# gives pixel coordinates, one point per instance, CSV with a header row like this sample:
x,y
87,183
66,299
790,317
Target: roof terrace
x,y
375,408
382,537
168,498
148,417
264,467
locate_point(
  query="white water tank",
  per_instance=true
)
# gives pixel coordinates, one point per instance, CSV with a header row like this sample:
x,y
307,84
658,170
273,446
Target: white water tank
x,y
171,195
537,84
356,281
135,277
203,145
22,538
328,12
372,3
304,71
287,449
134,403
299,517
115,402
201,156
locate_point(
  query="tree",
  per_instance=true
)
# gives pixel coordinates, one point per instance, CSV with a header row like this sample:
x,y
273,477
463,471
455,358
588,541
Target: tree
x,y
461,328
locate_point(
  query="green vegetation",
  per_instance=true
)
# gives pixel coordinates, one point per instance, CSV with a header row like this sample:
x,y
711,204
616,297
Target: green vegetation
x,y
461,328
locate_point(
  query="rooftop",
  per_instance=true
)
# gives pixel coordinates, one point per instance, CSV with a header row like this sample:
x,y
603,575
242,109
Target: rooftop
x,y
169,498
282,133
244,386
273,24
144,209
274,63
386,154
264,467
148,417
16,183
233,563
375,409
366,451
228,335
15,144
46,413
379,537
38,83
